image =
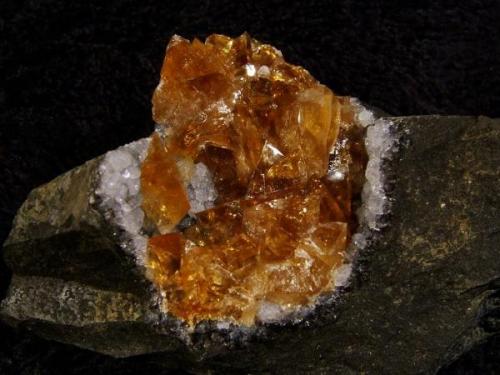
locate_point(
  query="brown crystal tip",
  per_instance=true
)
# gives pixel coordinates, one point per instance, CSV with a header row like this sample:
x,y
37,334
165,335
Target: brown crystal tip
x,y
287,160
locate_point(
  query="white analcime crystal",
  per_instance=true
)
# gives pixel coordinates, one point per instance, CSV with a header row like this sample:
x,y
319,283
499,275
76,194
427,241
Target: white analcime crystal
x,y
341,274
201,189
380,144
118,190
363,116
269,312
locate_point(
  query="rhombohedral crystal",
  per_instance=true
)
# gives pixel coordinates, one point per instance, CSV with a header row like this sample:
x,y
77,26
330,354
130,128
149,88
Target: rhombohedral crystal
x,y
287,160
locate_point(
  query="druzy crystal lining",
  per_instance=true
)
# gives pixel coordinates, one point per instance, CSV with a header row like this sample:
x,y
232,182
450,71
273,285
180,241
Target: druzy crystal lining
x,y
248,185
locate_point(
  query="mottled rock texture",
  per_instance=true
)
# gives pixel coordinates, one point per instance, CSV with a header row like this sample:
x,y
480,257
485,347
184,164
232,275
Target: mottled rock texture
x,y
425,289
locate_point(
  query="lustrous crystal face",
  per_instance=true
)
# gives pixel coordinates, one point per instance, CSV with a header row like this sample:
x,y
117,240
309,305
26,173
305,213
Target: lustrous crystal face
x,y
286,159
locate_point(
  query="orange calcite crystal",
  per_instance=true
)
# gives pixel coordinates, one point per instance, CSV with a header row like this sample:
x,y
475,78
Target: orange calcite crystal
x,y
164,198
287,160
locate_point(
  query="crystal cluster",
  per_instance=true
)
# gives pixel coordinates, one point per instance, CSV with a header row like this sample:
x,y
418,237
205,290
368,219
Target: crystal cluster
x,y
286,159
120,181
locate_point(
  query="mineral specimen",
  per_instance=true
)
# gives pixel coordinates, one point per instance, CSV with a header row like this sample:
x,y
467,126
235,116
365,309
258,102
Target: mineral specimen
x,y
287,159
422,291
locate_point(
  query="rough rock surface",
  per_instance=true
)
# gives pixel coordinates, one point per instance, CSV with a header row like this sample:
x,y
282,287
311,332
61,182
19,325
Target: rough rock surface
x,y
58,233
426,289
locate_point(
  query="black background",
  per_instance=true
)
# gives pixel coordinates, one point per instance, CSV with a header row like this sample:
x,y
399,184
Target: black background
x,y
77,80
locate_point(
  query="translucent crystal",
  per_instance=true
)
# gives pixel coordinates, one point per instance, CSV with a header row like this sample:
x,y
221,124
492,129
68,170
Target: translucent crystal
x,y
164,198
268,161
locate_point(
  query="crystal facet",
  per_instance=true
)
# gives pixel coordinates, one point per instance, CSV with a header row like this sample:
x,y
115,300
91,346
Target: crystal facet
x,y
286,158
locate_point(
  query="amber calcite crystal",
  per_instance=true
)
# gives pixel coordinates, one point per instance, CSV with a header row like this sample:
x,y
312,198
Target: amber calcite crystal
x,y
286,158
164,198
